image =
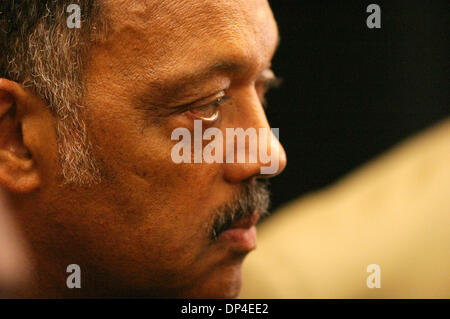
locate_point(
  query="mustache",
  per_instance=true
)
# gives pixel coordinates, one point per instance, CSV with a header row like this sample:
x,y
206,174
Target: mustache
x,y
253,197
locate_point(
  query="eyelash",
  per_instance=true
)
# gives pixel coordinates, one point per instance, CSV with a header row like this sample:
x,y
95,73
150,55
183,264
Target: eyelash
x,y
217,103
196,111
265,86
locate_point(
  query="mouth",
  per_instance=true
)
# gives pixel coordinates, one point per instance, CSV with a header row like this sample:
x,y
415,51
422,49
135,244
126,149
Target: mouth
x,y
241,235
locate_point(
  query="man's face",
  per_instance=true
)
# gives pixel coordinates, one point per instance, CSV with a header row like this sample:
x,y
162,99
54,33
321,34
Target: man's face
x,y
146,229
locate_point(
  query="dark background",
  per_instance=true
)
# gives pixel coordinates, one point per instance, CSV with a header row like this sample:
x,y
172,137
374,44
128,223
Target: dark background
x,y
350,92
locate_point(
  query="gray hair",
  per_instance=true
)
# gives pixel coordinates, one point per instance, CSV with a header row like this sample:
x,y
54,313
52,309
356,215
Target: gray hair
x,y
40,52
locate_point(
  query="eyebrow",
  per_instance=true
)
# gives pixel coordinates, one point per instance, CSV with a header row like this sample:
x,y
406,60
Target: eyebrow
x,y
159,94
170,89
225,66
202,75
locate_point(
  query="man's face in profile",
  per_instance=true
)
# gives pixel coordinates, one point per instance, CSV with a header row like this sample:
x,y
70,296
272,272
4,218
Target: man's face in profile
x,y
152,227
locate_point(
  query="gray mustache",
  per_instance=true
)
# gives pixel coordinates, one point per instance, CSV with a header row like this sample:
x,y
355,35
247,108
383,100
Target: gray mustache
x,y
253,197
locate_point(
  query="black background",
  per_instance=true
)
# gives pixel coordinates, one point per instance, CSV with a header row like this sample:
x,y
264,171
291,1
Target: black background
x,y
351,92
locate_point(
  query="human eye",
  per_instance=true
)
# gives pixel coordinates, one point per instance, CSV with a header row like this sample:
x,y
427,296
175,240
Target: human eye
x,y
208,109
267,81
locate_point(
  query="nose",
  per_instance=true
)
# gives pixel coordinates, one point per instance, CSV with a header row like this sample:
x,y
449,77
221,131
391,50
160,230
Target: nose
x,y
270,155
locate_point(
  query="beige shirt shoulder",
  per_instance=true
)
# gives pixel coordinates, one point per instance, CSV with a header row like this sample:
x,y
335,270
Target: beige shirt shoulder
x,y
393,212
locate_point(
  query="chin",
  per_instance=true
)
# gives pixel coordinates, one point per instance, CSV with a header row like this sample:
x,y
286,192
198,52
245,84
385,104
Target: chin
x,y
225,283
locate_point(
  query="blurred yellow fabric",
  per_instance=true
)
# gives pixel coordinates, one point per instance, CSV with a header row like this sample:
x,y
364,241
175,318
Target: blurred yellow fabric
x,y
393,212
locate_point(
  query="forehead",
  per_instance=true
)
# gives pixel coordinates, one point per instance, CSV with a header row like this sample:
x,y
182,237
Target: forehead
x,y
165,36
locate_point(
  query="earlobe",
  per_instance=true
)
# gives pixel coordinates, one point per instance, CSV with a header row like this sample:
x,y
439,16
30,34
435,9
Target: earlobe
x,y
18,172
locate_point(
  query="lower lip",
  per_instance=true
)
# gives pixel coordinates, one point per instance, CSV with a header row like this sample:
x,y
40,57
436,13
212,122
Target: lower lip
x,y
240,239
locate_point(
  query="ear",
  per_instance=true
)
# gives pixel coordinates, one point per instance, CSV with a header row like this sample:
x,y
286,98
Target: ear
x,y
18,172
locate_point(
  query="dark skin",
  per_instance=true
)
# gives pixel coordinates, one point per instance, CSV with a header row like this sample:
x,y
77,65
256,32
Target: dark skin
x,y
143,230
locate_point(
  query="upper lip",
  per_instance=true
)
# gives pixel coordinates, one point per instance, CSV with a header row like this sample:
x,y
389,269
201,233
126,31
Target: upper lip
x,y
246,222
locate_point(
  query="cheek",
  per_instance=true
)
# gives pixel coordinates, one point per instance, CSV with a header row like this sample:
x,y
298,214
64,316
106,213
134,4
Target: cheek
x,y
161,196
160,211
172,213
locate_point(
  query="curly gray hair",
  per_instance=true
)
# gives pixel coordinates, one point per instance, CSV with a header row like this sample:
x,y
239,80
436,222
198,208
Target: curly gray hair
x,y
46,56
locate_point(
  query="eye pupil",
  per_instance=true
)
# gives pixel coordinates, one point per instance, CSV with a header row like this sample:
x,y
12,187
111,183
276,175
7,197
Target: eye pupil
x,y
218,102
